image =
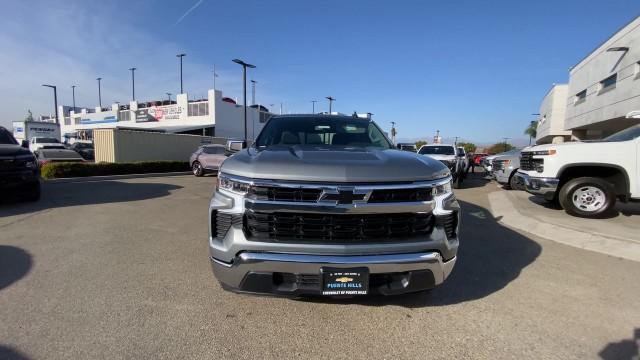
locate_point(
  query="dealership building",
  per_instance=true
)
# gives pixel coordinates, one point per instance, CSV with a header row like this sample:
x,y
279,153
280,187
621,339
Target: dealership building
x,y
603,88
214,116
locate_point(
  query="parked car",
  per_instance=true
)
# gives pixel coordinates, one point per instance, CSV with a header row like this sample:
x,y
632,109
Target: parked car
x,y
19,172
325,204
487,162
407,147
207,159
84,148
37,143
505,167
51,155
477,158
448,155
585,178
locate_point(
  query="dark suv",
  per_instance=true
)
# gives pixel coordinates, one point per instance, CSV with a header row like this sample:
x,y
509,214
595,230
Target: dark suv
x,y
19,170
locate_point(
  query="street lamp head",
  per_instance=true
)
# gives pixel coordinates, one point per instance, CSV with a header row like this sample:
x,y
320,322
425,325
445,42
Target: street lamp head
x,y
133,69
51,86
99,78
181,55
240,62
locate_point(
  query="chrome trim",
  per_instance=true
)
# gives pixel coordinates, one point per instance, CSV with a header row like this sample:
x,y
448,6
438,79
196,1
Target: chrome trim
x,y
232,274
333,207
537,185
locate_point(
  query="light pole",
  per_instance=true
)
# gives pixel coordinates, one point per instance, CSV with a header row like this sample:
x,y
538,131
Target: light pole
x,y
313,106
169,95
253,92
181,56
244,86
73,94
99,94
55,99
505,143
215,75
133,83
331,100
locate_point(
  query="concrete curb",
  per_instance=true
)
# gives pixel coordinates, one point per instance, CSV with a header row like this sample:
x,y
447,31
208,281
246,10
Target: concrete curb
x,y
114,177
508,214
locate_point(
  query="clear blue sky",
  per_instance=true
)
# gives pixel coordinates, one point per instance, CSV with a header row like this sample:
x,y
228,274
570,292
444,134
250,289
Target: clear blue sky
x,y
475,69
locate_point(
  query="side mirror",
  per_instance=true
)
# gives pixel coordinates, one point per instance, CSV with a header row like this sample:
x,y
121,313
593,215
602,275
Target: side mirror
x,y
25,144
237,146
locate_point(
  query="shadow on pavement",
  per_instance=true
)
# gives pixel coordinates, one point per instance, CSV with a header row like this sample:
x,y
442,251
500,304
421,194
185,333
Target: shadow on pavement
x,y
15,263
7,353
489,258
625,349
56,195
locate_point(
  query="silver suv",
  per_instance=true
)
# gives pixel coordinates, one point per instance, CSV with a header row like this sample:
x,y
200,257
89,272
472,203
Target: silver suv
x,y
325,205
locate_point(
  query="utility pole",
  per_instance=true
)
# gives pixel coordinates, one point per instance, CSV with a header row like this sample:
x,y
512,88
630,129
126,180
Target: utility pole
x,y
331,100
73,92
133,83
99,94
393,132
253,92
455,142
215,75
169,96
244,86
281,108
505,143
313,106
55,100
181,56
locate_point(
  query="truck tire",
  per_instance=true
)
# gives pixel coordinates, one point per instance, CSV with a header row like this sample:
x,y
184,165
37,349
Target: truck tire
x,y
513,183
588,197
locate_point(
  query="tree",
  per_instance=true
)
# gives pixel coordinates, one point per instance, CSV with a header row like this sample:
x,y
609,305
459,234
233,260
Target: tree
x,y
419,143
29,116
499,147
468,147
532,130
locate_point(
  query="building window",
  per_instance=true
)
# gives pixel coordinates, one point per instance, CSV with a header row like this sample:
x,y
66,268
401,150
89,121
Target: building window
x,y
67,121
608,83
580,97
198,109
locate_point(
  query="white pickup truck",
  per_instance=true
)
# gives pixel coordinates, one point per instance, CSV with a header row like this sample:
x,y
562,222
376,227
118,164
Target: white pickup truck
x,y
585,178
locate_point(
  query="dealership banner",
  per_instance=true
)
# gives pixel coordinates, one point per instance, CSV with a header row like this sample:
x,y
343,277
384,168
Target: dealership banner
x,y
159,113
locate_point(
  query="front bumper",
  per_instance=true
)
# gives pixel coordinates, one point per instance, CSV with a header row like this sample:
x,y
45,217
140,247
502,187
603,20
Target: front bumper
x,y
300,274
538,185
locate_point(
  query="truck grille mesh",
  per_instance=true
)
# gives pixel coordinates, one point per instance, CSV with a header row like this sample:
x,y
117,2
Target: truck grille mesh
x,y
336,228
222,222
527,162
275,193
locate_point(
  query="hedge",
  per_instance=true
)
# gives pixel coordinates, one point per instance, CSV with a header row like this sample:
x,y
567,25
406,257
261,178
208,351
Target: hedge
x,y
64,170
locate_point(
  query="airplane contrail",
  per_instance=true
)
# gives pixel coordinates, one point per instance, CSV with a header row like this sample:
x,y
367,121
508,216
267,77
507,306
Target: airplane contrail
x,y
188,12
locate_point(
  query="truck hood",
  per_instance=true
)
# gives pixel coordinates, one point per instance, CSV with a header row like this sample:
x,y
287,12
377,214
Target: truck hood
x,y
553,146
333,164
9,150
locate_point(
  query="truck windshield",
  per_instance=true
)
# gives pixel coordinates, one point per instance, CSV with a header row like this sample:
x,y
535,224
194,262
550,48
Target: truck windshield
x,y
437,150
322,131
625,135
6,138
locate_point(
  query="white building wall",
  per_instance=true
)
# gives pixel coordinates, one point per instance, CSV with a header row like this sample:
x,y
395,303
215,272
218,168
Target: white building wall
x,y
230,120
552,116
603,111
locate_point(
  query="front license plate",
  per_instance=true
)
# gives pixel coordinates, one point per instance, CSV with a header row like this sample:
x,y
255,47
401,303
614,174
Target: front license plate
x,y
349,281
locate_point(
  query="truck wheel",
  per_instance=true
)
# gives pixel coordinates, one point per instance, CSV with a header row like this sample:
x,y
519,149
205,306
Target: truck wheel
x,y
513,183
588,197
197,169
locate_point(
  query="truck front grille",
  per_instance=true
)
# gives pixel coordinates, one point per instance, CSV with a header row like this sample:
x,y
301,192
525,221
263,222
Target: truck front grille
x,y
527,162
336,228
287,194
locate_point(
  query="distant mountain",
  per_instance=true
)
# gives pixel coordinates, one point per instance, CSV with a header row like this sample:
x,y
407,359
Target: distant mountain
x,y
517,142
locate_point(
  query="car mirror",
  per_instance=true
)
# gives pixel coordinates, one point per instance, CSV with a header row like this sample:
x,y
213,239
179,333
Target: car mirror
x,y
237,145
25,144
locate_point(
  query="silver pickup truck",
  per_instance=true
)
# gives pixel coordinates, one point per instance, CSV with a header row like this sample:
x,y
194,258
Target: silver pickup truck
x,y
324,205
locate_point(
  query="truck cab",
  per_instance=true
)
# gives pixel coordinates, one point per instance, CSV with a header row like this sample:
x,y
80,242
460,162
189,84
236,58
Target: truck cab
x,y
585,178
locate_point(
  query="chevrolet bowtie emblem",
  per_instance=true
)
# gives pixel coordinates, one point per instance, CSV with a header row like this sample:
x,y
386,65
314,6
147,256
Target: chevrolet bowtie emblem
x,y
343,196
344,279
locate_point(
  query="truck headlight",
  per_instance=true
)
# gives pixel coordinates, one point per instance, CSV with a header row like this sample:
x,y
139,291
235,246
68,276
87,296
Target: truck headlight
x,y
28,161
442,189
232,185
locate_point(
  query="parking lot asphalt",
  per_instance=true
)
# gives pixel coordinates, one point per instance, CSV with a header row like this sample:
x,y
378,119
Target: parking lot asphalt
x,y
118,269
